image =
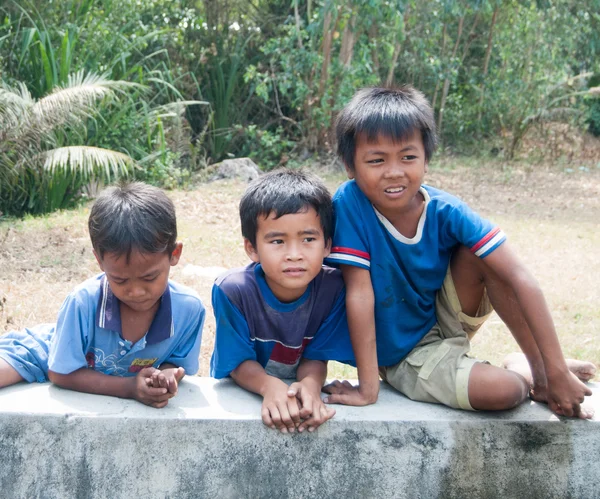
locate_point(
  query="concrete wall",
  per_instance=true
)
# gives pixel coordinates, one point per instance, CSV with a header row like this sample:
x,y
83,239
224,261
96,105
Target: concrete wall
x,y
209,442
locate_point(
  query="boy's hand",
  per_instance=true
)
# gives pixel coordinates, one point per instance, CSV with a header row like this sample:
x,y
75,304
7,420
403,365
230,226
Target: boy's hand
x,y
313,411
166,378
343,392
566,394
280,409
150,395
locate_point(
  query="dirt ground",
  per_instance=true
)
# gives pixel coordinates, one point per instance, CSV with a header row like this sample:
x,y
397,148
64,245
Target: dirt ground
x,y
550,216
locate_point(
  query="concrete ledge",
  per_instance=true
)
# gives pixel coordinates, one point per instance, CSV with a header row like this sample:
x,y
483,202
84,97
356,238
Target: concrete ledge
x,y
209,442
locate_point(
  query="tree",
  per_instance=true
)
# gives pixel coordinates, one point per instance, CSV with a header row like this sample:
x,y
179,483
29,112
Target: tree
x,y
39,172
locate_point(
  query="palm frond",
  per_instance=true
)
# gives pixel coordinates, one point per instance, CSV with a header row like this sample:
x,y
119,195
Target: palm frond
x,y
75,100
14,105
90,162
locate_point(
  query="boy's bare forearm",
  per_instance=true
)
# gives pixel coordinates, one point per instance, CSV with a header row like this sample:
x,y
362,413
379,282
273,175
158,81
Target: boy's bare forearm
x,y
360,309
90,381
539,319
251,376
312,373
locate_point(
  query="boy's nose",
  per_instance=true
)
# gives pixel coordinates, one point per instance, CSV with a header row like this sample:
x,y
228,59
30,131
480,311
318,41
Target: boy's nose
x,y
294,253
394,171
135,292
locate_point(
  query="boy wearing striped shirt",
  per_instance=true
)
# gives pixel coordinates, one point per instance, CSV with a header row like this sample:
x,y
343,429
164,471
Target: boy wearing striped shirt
x,y
423,271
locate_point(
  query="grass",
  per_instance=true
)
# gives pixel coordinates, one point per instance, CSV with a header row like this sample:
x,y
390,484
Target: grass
x,y
550,217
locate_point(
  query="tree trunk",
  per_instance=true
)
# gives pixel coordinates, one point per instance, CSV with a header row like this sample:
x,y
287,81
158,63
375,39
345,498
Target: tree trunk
x,y
373,35
348,39
297,17
442,54
447,80
397,48
488,53
326,51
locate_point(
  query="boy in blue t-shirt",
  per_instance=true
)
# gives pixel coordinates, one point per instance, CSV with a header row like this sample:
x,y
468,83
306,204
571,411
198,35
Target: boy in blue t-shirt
x,y
283,315
422,272
128,332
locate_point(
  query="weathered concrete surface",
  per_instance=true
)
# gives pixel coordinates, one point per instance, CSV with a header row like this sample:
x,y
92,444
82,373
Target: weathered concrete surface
x,y
209,442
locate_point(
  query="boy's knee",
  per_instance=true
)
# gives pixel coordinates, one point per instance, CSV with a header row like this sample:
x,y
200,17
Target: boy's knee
x,y
495,389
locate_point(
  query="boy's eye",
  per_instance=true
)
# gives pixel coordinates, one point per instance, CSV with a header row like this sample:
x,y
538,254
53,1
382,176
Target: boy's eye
x,y
276,241
409,157
375,161
119,281
309,239
150,279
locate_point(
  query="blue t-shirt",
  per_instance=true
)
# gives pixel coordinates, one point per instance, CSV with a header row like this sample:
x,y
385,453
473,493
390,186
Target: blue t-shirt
x,y
88,332
406,273
252,324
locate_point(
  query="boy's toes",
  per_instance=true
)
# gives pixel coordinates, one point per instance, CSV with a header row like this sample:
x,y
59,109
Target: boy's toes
x,y
584,370
586,412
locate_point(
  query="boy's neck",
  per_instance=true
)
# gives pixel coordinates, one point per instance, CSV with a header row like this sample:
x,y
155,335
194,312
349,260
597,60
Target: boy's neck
x,y
407,222
135,325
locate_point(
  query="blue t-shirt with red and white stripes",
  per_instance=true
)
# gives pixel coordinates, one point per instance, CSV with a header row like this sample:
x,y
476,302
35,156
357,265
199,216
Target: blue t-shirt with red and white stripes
x,y
406,273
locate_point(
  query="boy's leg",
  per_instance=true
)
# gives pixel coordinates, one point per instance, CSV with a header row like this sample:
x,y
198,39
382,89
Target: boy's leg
x,y
8,375
472,278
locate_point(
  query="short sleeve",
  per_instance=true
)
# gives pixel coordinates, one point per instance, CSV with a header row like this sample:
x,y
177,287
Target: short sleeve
x,y
187,351
468,228
332,340
350,245
232,338
70,341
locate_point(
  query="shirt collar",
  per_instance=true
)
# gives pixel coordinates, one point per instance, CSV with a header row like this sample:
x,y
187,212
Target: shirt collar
x,y
108,314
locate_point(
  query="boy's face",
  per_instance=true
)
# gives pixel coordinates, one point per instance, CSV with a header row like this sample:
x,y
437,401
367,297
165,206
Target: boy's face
x,y
390,173
140,282
290,250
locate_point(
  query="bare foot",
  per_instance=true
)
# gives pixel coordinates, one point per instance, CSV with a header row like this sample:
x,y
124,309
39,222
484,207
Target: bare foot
x,y
516,361
584,370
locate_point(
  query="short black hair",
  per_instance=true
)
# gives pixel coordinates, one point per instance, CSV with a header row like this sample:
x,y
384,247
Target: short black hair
x,y
393,112
285,192
132,216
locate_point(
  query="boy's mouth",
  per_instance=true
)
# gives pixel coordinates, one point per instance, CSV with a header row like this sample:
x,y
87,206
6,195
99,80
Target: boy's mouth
x,y
294,271
395,190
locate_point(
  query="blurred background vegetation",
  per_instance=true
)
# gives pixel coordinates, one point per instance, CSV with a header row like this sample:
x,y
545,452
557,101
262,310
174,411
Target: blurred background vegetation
x,y
160,89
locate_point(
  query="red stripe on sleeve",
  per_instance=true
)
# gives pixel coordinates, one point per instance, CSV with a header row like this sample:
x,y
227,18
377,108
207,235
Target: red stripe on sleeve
x,y
350,251
485,239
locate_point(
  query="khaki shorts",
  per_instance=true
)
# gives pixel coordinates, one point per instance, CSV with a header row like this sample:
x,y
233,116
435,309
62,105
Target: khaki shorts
x,y
437,369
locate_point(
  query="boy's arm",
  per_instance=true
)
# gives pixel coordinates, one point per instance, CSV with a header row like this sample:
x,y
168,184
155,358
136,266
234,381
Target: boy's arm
x,y
311,376
565,392
134,387
279,408
360,309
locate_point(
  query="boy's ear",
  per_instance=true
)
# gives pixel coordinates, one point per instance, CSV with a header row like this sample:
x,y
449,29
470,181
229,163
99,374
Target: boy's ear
x,y
426,166
349,171
251,251
176,254
99,260
327,248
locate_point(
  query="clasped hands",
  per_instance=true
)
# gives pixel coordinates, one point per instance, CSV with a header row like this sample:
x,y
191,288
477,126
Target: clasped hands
x,y
295,407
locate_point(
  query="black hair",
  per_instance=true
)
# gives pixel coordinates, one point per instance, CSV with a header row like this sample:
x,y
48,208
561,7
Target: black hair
x,y
393,112
132,216
285,192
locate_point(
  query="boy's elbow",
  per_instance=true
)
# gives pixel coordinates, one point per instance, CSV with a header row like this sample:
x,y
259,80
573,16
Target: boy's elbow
x,y
54,377
57,378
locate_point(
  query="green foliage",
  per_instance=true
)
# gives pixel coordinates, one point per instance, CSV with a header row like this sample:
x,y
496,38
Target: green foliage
x,y
266,78
268,149
593,119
